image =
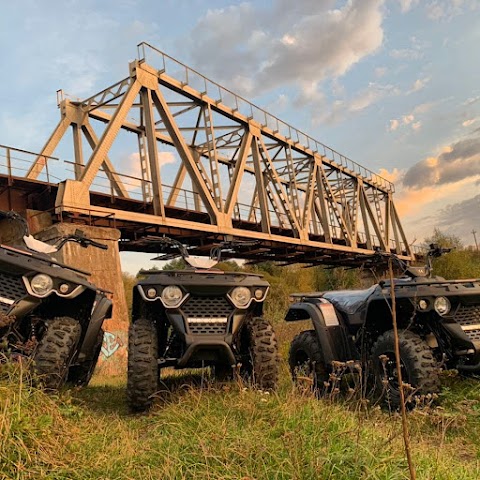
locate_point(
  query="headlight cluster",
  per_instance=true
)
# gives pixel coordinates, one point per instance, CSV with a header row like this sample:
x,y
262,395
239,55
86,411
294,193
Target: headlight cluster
x,y
42,285
241,297
441,305
171,296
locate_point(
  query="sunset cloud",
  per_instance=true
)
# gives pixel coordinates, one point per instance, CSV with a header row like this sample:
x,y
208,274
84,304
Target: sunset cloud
x,y
457,162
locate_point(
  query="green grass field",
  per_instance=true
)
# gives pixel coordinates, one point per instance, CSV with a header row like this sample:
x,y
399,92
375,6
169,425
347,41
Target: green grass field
x,y
200,429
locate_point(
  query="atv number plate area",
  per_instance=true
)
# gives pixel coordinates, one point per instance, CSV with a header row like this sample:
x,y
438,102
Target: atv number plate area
x,y
329,314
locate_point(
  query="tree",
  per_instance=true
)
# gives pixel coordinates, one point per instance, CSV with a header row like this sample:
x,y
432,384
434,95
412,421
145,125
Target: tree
x,y
444,240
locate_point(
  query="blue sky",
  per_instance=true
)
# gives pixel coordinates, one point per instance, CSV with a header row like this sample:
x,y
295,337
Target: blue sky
x,y
394,85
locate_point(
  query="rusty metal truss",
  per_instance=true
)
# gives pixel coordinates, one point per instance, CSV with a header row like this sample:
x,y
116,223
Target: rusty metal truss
x,y
241,173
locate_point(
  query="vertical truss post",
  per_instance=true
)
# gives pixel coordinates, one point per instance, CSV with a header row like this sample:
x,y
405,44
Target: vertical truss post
x,y
261,190
157,193
78,150
212,156
145,172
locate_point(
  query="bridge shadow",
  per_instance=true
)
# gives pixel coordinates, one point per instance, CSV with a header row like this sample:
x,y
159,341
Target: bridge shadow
x,y
108,395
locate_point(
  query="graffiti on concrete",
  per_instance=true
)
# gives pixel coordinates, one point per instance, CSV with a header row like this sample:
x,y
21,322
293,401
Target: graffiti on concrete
x,y
111,343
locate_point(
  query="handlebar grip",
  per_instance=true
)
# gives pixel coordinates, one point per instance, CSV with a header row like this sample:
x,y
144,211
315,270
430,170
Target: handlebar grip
x,y
98,245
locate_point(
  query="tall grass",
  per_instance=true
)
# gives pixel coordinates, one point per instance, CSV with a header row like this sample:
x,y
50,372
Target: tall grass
x,y
200,429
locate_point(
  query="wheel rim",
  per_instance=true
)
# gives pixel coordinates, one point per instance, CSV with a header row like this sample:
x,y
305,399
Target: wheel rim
x,y
388,370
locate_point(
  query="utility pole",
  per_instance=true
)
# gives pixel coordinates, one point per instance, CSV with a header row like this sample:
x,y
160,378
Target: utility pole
x,y
475,238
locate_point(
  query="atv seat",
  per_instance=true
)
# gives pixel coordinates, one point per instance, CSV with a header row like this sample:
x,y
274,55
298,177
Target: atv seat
x,y
350,302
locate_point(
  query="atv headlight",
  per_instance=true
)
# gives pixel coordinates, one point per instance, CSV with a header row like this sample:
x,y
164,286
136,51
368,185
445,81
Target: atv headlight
x,y
442,305
241,296
422,304
41,284
172,296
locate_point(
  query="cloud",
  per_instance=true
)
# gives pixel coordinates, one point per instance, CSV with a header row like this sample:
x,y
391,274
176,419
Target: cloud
x,y
414,52
457,162
460,214
404,121
130,165
363,99
407,5
419,84
394,124
381,72
469,122
411,201
447,9
406,54
306,39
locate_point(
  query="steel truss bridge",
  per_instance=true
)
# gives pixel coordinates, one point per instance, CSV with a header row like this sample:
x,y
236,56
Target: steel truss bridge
x,y
240,173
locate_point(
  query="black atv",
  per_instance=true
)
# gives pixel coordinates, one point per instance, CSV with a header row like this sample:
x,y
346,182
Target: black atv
x,y
198,317
49,312
438,321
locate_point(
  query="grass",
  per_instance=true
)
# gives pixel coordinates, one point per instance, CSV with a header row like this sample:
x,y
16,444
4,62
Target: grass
x,y
199,429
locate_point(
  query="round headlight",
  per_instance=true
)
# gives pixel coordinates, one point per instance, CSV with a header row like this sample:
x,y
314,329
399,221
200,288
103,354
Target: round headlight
x,y
41,284
442,305
241,296
258,293
172,296
151,293
422,304
64,288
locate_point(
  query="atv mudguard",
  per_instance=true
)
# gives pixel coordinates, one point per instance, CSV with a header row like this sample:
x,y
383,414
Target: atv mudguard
x,y
332,334
101,311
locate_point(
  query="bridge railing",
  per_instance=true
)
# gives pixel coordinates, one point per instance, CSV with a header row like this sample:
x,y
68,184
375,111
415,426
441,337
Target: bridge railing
x,y
15,163
236,103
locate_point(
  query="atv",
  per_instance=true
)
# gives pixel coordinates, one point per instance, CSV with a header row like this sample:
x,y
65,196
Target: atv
x,y
198,317
438,322
49,311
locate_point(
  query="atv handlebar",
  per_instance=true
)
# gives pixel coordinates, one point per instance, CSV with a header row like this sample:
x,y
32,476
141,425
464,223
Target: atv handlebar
x,y
80,238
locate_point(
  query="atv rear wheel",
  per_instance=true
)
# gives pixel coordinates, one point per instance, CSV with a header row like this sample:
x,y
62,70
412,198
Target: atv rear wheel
x,y
55,351
418,367
143,371
306,360
261,360
80,375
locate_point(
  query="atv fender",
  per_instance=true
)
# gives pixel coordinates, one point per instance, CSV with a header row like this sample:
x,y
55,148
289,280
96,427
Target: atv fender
x,y
101,311
330,332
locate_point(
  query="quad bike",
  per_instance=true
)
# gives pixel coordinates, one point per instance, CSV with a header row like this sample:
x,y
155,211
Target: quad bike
x,y
438,322
198,317
49,311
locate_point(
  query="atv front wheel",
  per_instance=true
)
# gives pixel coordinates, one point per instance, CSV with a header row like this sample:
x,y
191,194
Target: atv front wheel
x,y
418,367
143,371
80,375
55,351
306,360
261,360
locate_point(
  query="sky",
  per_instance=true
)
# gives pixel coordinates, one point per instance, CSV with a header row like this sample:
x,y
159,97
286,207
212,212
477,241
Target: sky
x,y
393,85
